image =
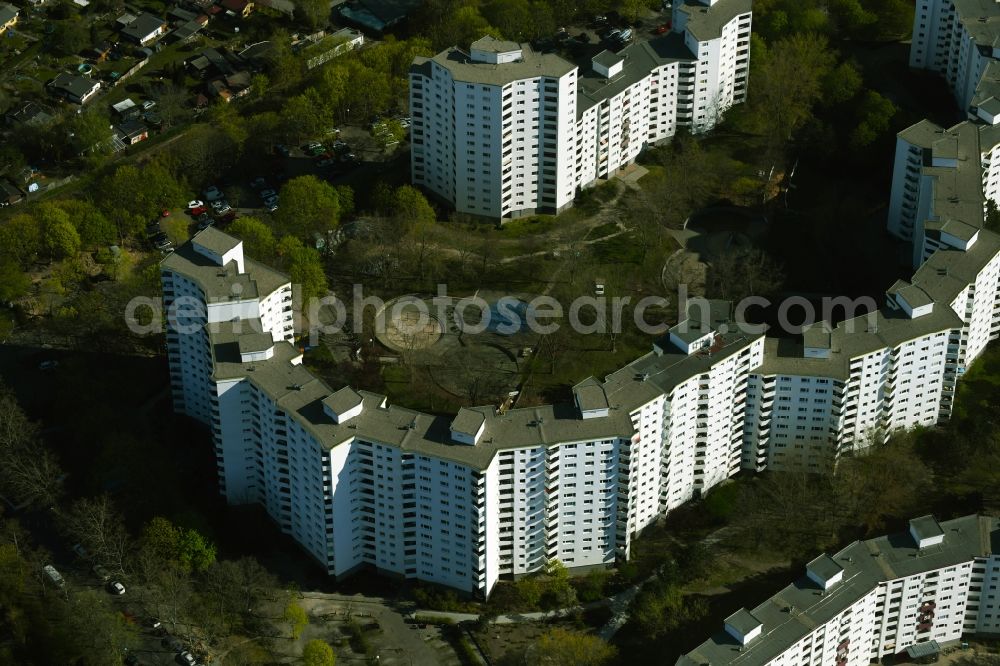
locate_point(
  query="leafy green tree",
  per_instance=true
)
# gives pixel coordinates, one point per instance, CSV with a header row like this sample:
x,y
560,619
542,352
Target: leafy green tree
x,y
94,228
842,84
318,653
313,13
787,81
305,116
70,36
21,239
131,196
304,266
90,134
992,220
661,608
296,616
565,647
345,195
59,237
14,282
185,548
874,115
308,205
411,208
257,237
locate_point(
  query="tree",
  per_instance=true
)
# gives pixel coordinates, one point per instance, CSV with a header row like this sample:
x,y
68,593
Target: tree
x,y
304,116
92,226
59,237
564,647
184,548
313,13
842,84
318,653
258,239
874,115
411,208
308,206
99,526
304,266
297,617
787,81
14,283
660,608
744,271
992,219
20,239
90,133
70,36
131,196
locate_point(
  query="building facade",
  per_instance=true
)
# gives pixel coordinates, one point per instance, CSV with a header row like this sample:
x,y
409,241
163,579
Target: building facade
x,y
503,131
874,599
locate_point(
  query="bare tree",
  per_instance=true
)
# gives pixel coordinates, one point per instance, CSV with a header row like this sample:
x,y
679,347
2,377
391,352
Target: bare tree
x,y
99,526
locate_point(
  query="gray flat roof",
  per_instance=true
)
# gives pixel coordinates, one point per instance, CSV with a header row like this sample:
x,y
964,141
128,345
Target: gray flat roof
x,y
824,566
468,421
254,342
530,65
801,607
607,58
217,241
343,400
491,44
590,395
743,621
222,283
926,527
706,23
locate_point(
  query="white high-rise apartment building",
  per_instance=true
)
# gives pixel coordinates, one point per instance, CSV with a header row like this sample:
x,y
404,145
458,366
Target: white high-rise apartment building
x,y
956,39
503,131
489,493
891,595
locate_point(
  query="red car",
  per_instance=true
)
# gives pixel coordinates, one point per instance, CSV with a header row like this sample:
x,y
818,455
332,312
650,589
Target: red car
x,y
195,212
662,29
166,213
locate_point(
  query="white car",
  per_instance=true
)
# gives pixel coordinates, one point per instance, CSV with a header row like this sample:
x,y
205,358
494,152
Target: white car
x,y
116,588
148,104
186,658
195,203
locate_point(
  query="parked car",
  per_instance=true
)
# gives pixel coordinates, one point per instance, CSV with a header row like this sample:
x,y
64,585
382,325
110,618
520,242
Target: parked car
x,y
196,203
270,201
165,213
116,588
101,573
258,183
163,245
53,575
185,658
271,207
205,224
340,147
195,212
148,104
325,162
212,193
267,194
662,29
221,206
625,35
282,150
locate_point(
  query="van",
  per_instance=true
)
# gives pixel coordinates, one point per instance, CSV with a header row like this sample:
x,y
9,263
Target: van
x,y
54,576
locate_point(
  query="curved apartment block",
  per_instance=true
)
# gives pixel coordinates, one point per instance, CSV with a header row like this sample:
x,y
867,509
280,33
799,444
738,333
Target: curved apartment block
x,y
503,131
463,501
905,594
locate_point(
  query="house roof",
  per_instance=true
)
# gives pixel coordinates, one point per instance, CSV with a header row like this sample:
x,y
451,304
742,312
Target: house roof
x,y
132,128
74,84
143,26
7,13
29,114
